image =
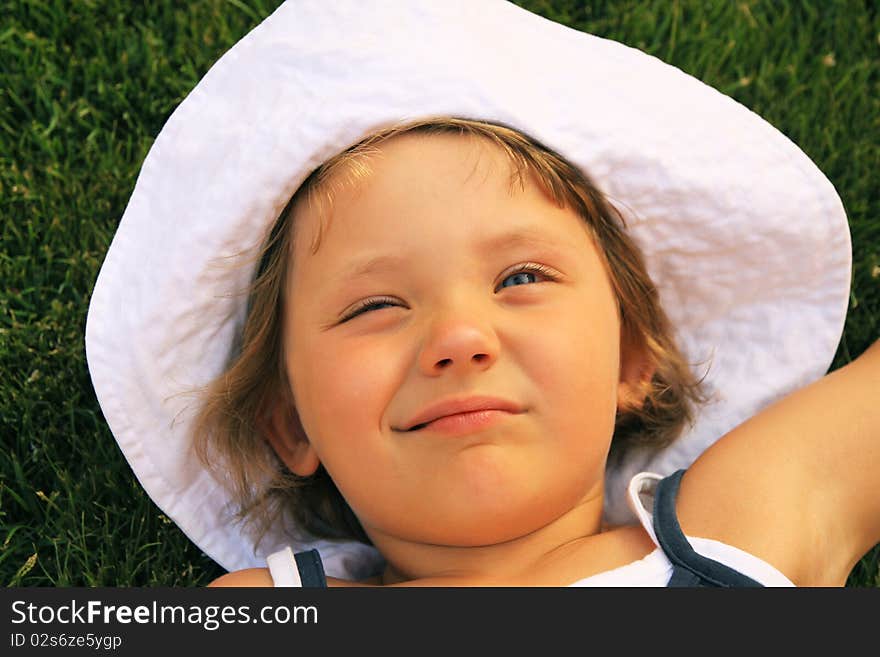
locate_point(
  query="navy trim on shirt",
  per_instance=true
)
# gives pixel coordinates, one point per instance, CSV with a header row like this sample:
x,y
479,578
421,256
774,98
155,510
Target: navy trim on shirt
x,y
689,568
311,569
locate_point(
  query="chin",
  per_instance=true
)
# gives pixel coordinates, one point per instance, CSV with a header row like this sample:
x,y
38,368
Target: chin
x,y
479,526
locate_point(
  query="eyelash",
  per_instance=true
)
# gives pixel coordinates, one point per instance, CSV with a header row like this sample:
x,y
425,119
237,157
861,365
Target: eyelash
x,y
367,304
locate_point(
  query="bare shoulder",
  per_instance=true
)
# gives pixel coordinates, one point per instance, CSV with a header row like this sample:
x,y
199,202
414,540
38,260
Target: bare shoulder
x,y
795,485
244,578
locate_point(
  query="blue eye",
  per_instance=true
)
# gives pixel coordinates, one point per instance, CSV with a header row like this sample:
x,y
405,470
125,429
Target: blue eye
x,y
523,271
521,276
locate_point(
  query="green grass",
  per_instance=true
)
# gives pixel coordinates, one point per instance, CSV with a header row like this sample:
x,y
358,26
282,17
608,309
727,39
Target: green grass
x,y
85,87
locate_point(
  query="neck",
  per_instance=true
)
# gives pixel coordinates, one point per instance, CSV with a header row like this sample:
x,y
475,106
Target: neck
x,y
510,561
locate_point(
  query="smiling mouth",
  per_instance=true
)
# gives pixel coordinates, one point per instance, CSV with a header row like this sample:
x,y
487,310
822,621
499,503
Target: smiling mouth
x,y
463,423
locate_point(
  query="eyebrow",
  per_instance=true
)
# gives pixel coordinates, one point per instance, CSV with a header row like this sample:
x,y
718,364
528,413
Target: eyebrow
x,y
389,262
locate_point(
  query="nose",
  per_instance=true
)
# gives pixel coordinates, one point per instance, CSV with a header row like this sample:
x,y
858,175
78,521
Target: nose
x,y
460,341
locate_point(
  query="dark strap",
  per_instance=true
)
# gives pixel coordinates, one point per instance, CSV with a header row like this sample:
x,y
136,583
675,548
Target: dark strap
x,y
311,570
688,567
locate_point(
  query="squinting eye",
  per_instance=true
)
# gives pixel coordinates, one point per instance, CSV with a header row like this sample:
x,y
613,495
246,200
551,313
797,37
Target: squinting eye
x,y
369,304
524,270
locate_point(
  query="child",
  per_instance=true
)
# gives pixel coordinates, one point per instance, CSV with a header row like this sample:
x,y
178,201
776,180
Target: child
x,y
449,329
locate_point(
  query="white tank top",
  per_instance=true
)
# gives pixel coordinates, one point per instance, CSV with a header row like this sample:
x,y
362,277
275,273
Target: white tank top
x,y
653,570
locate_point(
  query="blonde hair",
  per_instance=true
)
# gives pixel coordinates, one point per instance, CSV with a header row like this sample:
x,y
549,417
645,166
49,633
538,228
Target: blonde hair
x,y
227,430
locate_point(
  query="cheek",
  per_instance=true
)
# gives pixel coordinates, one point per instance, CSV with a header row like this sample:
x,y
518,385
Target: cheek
x,y
575,367
342,388
345,391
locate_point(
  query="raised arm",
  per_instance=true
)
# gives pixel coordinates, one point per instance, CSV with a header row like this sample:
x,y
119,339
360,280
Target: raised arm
x,y
798,485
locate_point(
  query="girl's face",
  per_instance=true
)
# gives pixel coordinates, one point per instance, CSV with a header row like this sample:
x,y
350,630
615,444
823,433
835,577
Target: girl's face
x,y
436,238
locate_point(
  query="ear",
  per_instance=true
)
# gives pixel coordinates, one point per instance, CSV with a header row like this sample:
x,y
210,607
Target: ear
x,y
284,432
636,371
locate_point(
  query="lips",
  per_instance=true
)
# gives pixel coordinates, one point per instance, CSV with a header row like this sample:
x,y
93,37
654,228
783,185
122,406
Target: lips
x,y
456,405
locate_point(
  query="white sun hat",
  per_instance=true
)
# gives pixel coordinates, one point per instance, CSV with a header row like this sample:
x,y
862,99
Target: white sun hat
x,y
745,238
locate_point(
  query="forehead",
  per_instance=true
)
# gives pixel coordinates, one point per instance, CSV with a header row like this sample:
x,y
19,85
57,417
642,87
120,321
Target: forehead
x,y
405,159
427,190
408,173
